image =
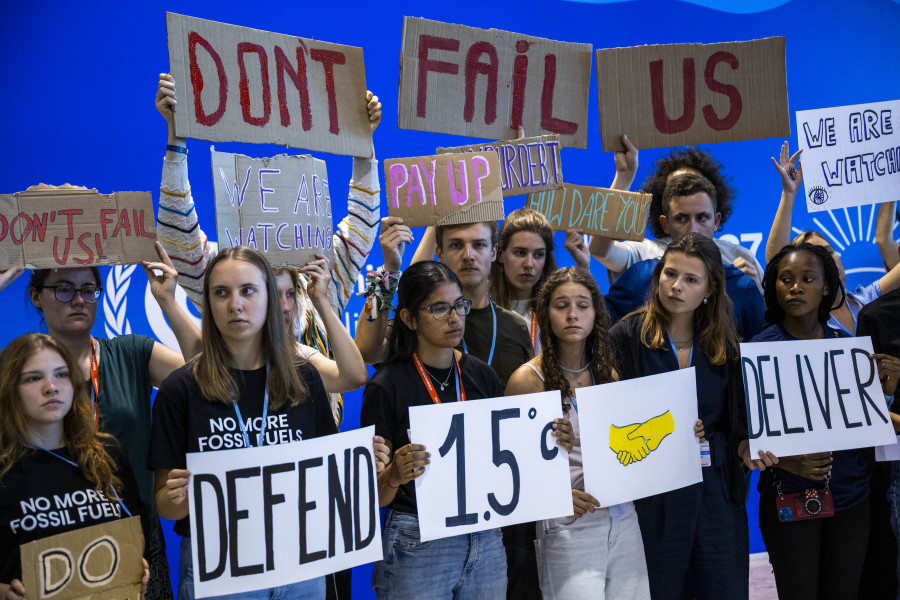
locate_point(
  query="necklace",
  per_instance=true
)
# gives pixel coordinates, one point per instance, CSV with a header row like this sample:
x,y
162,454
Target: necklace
x,y
444,383
575,370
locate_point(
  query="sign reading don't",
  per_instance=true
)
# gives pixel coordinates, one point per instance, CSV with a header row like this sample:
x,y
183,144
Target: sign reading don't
x,y
446,189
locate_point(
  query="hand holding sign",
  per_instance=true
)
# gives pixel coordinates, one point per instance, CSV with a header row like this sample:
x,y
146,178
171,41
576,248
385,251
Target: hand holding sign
x,y
583,503
888,372
811,466
164,284
626,165
393,239
408,464
374,108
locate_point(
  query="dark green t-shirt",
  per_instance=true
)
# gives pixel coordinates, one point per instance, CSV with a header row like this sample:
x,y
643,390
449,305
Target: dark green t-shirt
x,y
512,348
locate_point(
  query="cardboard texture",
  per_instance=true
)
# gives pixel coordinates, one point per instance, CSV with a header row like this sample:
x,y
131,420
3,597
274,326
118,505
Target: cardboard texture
x,y
526,165
238,84
447,189
681,94
851,155
101,562
485,82
598,211
279,206
52,227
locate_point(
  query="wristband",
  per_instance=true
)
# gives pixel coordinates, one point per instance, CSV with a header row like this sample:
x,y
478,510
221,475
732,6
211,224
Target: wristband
x,y
173,148
381,285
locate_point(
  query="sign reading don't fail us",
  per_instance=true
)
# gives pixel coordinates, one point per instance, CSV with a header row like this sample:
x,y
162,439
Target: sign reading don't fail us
x,y
279,206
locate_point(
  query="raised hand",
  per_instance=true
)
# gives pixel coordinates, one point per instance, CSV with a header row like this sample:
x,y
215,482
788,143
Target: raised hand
x,y
162,275
393,239
626,165
575,245
320,278
374,108
790,169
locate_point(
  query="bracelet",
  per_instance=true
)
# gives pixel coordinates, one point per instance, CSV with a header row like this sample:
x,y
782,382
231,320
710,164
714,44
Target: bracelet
x,y
381,285
174,148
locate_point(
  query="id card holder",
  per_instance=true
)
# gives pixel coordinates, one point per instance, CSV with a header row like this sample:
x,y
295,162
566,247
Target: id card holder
x,y
705,458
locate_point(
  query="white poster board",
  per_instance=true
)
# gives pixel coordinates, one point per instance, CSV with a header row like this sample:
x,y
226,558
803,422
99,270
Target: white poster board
x,y
276,515
813,396
618,418
851,154
493,463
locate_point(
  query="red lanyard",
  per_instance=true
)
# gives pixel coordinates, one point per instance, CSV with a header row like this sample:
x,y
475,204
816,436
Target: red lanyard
x,y
534,329
95,381
426,379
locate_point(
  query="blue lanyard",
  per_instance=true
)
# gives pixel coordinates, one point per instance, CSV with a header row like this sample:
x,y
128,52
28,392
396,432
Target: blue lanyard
x,y
675,350
574,401
261,436
74,464
493,335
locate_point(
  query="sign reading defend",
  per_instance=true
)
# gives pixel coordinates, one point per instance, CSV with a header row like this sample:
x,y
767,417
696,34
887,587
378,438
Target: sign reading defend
x,y
279,206
48,227
486,82
614,214
238,84
682,94
446,189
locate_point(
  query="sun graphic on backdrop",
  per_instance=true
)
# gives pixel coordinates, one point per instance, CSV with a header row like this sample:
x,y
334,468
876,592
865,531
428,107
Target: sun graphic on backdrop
x,y
851,231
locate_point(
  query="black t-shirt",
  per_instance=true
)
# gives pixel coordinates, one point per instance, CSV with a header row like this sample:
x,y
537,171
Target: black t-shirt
x,y
397,386
42,495
513,346
184,421
879,319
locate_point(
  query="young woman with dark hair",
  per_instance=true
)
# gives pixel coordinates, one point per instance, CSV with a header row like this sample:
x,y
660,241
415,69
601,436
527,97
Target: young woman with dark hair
x,y
596,552
695,538
48,448
818,557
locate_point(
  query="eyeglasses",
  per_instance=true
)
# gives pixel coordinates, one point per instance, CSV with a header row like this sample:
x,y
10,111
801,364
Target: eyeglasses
x,y
441,310
65,292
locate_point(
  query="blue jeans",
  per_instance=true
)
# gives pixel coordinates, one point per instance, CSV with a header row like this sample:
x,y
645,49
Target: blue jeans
x,y
314,589
893,497
464,567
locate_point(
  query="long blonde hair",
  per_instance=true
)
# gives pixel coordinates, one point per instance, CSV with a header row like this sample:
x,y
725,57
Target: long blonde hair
x,y
212,367
86,445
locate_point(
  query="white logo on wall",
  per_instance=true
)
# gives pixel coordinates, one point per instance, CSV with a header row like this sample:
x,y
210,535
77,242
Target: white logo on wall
x,y
115,301
157,320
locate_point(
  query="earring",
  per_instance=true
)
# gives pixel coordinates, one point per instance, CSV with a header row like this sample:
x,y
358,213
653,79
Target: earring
x,y
705,300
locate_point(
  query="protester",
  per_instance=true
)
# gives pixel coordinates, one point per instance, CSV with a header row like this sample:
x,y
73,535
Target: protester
x,y
695,538
49,449
596,552
816,557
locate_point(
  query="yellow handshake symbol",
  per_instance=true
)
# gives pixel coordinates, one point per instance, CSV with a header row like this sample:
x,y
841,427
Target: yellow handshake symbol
x,y
634,442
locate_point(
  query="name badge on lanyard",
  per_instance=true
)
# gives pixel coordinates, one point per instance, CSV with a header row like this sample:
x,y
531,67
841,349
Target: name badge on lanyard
x,y
426,379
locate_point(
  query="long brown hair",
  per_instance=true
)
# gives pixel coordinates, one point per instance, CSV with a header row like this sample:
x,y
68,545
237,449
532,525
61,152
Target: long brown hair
x,y
598,344
523,219
212,367
718,338
86,445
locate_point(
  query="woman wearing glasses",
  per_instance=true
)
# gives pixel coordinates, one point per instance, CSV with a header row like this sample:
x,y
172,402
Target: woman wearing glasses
x,y
421,367
120,373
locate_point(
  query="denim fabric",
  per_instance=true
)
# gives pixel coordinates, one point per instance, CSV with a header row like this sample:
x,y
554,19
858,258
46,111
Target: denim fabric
x,y
463,567
594,556
893,497
313,589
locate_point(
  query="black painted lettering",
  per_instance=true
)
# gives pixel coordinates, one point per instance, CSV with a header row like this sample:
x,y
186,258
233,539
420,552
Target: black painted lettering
x,y
198,481
803,396
764,409
787,429
841,392
548,452
824,409
269,501
235,515
304,508
746,362
339,503
858,353
368,470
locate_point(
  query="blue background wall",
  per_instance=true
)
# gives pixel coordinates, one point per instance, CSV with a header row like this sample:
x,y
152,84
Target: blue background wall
x,y
78,82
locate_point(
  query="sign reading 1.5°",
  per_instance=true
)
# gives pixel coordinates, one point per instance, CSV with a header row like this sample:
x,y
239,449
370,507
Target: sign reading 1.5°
x,y
500,457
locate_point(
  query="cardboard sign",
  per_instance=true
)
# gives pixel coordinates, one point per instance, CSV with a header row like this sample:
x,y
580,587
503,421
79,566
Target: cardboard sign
x,y
813,396
486,82
66,226
526,165
268,516
279,206
493,463
238,84
446,189
851,154
681,94
637,436
101,562
598,211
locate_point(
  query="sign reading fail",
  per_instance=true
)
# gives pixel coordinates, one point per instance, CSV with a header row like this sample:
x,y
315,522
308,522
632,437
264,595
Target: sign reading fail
x,y
681,94
239,84
279,206
486,82
66,226
446,189
813,396
598,211
526,165
268,516
851,155
493,463
101,562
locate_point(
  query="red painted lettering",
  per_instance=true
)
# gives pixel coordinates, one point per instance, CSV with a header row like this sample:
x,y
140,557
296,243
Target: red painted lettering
x,y
138,220
426,43
5,228
242,49
122,224
474,68
709,113
65,255
520,75
197,80
70,214
105,220
548,121
660,116
12,228
39,227
86,248
329,58
298,77
97,244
